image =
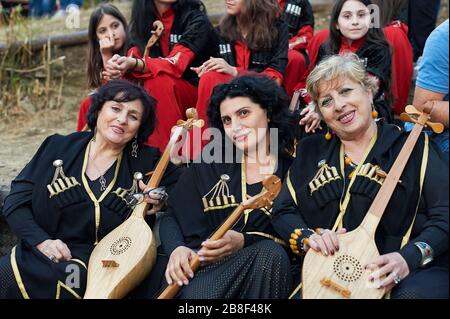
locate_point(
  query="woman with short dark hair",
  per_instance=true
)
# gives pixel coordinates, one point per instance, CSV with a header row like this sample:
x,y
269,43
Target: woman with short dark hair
x,y
74,191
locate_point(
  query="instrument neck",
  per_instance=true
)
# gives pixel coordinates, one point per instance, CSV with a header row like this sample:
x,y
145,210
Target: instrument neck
x,y
384,195
140,210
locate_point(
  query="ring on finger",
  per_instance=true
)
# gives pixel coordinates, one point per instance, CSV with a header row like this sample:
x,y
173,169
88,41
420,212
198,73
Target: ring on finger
x,y
397,278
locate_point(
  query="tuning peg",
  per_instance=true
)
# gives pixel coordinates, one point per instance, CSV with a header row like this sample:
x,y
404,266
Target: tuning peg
x,y
410,109
412,114
199,123
192,113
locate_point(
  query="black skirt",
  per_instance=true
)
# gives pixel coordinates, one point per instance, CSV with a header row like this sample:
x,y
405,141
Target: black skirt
x,y
259,271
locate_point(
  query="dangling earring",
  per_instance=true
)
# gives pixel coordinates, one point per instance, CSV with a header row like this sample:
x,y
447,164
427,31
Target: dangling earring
x,y
328,136
95,134
374,112
134,147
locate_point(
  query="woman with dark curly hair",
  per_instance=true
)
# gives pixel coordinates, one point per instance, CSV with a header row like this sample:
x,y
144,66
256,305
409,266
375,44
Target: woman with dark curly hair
x,y
251,38
74,192
249,261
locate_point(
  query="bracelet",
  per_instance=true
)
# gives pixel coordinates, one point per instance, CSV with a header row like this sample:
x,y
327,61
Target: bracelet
x,y
301,234
145,65
136,64
427,253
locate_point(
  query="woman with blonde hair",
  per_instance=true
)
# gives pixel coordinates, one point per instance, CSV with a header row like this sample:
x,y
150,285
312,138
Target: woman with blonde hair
x,y
332,184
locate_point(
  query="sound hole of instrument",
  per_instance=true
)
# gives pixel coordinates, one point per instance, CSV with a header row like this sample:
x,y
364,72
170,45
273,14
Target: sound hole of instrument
x,y
120,246
348,268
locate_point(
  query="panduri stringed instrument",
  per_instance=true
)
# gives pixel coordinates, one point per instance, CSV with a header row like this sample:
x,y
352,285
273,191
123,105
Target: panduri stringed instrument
x,y
342,276
124,257
272,187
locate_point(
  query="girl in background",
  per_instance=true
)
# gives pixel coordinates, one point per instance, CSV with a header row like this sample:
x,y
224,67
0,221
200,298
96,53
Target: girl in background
x,y
250,38
107,35
351,31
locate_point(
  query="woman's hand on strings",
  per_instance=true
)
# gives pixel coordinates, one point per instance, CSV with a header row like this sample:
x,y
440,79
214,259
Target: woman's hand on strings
x,y
216,250
178,269
326,242
55,250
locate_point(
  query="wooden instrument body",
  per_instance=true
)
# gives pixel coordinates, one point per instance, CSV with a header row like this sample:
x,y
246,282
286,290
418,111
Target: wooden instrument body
x,y
272,187
344,275
345,270
132,247
124,257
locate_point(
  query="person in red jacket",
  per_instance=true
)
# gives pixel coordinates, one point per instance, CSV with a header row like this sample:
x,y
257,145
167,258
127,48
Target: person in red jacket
x,y
165,73
252,37
396,33
351,30
299,16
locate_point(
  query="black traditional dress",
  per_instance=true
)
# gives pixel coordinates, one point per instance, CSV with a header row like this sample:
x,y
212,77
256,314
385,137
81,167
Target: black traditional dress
x,y
66,205
201,201
321,191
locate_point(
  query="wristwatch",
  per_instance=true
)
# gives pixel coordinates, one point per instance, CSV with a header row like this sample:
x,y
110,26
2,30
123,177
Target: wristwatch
x,y
427,253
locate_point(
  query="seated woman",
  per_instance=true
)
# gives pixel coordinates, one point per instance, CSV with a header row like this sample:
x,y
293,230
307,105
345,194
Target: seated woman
x,y
74,192
412,237
396,33
165,73
248,262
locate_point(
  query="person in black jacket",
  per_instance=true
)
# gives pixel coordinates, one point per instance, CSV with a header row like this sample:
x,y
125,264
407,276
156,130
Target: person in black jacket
x,y
333,183
74,191
249,261
166,72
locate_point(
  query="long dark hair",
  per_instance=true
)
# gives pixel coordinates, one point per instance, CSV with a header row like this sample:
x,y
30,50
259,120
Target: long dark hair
x,y
265,92
95,63
144,13
259,21
332,46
